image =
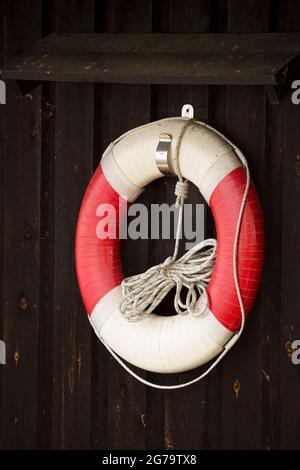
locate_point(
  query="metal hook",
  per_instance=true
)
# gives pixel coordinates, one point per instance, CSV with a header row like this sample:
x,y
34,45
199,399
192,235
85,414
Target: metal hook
x,y
162,153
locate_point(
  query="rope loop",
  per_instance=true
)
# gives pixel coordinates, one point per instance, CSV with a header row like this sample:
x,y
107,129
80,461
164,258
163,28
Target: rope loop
x,y
142,293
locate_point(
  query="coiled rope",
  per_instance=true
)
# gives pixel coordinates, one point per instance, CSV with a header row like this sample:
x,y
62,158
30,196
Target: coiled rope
x,y
143,292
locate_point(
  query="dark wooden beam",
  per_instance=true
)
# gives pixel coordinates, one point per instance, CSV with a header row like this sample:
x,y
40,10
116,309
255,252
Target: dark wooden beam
x,y
211,59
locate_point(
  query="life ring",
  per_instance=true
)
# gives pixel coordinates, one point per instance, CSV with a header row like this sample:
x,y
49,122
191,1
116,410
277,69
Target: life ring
x,y
206,158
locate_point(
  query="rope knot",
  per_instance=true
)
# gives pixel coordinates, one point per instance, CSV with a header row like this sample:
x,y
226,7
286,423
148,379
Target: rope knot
x,y
181,191
163,269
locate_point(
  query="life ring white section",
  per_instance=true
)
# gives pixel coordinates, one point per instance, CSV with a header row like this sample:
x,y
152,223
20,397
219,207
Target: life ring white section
x,y
205,158
118,180
159,344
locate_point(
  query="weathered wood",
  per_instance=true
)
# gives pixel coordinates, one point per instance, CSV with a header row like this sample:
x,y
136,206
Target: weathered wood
x,y
271,285
288,18
47,254
2,172
213,412
100,356
126,418
47,261
21,220
245,125
241,415
248,17
72,170
290,274
234,59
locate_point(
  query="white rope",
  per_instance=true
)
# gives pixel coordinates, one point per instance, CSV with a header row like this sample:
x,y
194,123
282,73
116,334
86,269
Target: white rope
x,y
143,292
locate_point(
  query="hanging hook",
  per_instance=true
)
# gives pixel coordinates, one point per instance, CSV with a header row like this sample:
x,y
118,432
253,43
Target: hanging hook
x,y
187,111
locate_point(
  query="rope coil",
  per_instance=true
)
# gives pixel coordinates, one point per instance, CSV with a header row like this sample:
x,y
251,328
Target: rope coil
x,y
144,292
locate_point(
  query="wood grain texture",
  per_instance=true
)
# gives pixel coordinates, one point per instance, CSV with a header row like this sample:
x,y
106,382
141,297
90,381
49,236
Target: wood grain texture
x,y
2,165
217,96
47,263
288,18
21,230
245,125
47,245
271,284
234,59
2,171
72,170
118,109
290,297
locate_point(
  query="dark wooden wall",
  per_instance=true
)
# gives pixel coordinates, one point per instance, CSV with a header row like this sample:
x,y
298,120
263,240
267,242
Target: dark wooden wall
x,y
60,388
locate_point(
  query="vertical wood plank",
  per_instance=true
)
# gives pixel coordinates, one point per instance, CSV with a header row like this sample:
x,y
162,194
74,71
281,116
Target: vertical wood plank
x,y
2,166
290,296
245,125
72,171
213,413
118,109
287,18
250,16
47,254
271,283
21,243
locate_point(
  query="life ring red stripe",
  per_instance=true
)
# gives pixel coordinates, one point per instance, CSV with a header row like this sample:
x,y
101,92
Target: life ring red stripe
x,y
98,262
225,203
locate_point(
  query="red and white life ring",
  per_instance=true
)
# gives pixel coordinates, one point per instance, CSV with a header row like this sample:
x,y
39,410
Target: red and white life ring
x,y
207,159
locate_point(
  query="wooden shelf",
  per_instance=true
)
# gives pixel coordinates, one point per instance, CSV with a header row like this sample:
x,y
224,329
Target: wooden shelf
x,y
271,59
